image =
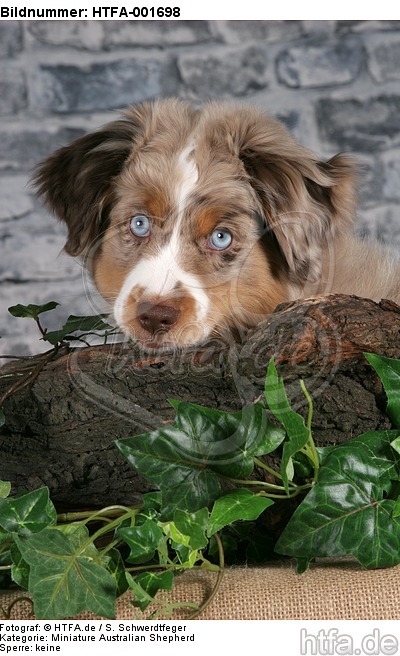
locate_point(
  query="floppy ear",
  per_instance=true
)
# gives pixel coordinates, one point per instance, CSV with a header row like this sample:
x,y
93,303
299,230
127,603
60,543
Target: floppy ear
x,y
305,202
76,181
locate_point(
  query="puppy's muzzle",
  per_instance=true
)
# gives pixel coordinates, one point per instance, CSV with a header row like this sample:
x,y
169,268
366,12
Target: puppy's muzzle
x,y
157,318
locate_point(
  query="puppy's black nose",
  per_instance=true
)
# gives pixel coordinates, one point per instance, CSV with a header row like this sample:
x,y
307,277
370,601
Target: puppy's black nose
x,y
156,318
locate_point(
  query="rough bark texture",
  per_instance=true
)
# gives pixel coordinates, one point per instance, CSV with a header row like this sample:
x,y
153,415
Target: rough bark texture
x,y
60,429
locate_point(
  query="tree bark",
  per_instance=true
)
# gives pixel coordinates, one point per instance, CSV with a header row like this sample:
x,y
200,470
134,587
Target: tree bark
x,y
60,427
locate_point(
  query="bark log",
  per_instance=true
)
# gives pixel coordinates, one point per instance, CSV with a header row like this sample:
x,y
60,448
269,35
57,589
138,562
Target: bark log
x,y
60,428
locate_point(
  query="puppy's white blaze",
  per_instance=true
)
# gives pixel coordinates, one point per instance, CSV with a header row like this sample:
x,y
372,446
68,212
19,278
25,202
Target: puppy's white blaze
x,y
189,178
159,275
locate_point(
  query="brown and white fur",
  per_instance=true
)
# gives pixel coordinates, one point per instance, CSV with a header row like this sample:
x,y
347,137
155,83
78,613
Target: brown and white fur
x,y
199,177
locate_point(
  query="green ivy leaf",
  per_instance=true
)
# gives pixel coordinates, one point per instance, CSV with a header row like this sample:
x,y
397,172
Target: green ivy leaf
x,y
77,325
388,371
194,525
158,456
174,534
295,427
78,536
6,542
20,568
145,586
227,442
279,405
236,505
151,505
270,441
116,568
396,508
5,489
64,583
303,565
31,311
143,541
142,598
184,459
29,513
347,512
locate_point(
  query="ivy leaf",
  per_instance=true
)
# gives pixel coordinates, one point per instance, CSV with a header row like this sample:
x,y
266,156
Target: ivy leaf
x,y
303,565
151,505
142,598
5,489
29,513
272,439
78,536
158,457
347,512
295,427
227,442
388,371
184,459
194,525
175,535
279,405
145,586
236,505
143,541
77,325
2,418
20,568
396,509
63,582
116,568
31,311
5,560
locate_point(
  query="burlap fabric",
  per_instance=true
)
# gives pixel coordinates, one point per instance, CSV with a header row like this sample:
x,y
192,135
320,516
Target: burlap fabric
x,y
328,591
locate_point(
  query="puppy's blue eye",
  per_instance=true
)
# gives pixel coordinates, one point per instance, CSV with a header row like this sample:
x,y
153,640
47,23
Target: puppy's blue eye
x,y
220,239
140,225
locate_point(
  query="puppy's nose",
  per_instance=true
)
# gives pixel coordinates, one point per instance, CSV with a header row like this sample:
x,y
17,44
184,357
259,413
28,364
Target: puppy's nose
x,y
156,318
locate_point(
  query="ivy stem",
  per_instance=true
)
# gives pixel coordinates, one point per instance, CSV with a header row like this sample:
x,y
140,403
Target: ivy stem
x,y
7,611
293,494
184,604
39,325
89,515
310,404
262,484
110,546
274,473
310,449
220,576
105,529
166,567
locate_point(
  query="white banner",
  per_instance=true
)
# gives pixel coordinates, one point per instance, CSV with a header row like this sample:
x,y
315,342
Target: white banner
x,y
196,638
135,10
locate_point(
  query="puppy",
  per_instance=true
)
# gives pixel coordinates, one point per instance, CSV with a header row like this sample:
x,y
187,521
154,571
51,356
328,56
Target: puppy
x,y
196,222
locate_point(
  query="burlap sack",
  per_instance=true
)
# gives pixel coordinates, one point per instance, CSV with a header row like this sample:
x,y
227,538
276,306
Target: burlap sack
x,y
328,591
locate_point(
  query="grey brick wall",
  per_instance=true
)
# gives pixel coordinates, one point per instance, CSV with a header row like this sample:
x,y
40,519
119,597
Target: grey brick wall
x,y
335,84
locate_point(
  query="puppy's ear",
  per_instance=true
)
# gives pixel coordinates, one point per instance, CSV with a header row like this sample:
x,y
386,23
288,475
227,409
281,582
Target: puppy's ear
x,y
76,181
305,202
313,203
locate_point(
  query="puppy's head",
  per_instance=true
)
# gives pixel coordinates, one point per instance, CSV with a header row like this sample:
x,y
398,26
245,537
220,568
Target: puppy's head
x,y
196,221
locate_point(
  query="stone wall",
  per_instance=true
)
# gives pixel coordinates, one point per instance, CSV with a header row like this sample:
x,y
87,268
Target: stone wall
x,y
335,84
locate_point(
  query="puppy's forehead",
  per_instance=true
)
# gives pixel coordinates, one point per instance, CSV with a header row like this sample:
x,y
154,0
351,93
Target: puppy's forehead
x,y
188,174
171,173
